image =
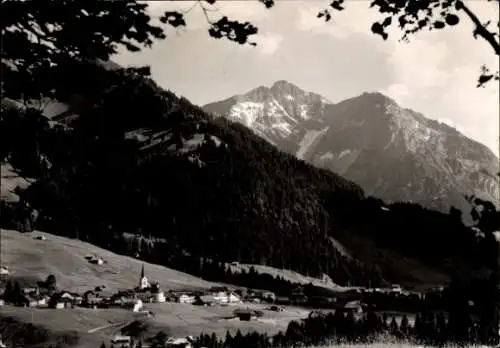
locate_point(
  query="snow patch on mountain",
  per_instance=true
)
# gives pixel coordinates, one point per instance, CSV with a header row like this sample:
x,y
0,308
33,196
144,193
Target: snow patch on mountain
x,y
327,156
307,143
304,112
246,112
343,153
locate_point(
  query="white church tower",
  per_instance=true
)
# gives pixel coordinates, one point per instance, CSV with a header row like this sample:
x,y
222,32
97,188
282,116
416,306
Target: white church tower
x,y
144,283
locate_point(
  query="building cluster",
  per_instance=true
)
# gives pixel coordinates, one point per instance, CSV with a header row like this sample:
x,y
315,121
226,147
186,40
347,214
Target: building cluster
x,y
33,295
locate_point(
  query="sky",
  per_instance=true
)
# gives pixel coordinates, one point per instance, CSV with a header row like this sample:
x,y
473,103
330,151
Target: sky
x,y
435,73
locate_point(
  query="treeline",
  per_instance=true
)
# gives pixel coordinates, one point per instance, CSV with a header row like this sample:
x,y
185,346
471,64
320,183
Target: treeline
x,y
427,328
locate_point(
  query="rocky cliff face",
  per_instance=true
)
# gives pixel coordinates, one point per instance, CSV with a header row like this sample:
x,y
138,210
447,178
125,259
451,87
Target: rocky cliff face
x,y
393,153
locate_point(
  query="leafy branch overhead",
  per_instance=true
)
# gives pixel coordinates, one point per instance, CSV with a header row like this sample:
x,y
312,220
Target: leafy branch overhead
x,y
414,16
36,36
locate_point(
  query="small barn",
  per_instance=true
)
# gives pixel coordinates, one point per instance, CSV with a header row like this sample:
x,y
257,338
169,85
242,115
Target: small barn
x,y
185,298
245,314
354,307
179,343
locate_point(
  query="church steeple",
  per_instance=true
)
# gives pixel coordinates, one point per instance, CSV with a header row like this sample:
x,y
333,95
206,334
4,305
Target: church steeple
x,y
143,283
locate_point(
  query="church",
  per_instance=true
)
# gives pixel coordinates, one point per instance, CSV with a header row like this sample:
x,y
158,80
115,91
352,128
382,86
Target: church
x,y
143,282
149,292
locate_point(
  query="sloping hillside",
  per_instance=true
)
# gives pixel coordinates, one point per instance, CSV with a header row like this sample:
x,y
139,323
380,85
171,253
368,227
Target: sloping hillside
x,y
27,257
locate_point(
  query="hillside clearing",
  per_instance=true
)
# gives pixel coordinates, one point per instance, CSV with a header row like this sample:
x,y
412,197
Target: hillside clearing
x,y
288,275
10,180
65,258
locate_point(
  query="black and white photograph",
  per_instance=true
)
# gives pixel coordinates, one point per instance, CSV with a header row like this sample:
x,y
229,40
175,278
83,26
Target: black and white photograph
x,y
250,174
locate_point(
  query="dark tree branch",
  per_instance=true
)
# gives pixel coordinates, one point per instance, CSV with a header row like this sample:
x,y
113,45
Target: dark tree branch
x,y
480,28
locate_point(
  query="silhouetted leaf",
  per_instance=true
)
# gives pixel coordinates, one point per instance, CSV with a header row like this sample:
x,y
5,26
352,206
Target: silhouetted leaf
x,y
439,25
173,18
324,14
337,5
268,3
452,19
232,30
378,29
387,21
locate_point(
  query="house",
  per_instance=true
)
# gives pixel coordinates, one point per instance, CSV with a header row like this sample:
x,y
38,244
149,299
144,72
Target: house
x,y
268,296
223,297
354,307
160,297
61,300
42,300
97,261
90,298
179,342
137,306
276,308
121,341
61,303
204,300
244,314
233,298
184,298
75,299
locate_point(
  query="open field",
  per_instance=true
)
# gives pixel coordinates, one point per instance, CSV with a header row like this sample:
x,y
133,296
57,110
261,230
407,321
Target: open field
x,y
65,258
9,181
77,320
183,319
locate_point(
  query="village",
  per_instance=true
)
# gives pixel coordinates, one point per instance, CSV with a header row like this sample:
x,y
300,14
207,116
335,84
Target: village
x,y
248,304
44,294
148,300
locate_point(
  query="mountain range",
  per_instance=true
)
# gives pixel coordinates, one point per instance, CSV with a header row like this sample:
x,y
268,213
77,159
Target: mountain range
x,y
392,152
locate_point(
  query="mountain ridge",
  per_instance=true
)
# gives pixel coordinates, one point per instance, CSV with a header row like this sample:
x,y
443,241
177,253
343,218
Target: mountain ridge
x,y
369,134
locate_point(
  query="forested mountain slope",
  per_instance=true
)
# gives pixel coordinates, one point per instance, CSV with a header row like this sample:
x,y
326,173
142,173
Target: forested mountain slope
x,y
135,158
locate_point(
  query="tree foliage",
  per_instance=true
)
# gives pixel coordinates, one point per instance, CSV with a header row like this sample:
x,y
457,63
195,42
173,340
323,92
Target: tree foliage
x,y
36,36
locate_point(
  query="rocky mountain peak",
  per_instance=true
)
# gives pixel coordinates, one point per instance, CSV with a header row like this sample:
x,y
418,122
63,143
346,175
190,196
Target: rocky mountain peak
x,y
392,152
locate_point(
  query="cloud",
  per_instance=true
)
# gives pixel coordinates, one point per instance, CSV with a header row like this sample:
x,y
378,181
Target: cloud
x,y
435,73
357,18
397,91
269,43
